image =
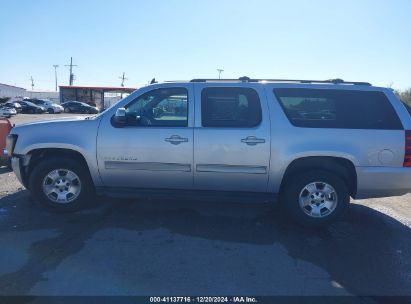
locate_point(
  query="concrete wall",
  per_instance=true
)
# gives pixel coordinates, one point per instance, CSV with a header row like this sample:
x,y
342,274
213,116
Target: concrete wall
x,y
50,95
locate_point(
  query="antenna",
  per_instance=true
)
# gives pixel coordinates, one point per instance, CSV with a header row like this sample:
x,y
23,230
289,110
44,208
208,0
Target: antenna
x,y
32,83
71,65
219,73
123,78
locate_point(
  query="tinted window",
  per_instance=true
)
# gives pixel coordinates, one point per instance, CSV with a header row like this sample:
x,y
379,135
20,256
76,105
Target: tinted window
x,y
161,107
230,107
348,109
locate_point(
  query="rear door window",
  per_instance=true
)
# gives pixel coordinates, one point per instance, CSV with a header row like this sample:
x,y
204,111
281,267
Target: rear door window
x,y
345,109
230,107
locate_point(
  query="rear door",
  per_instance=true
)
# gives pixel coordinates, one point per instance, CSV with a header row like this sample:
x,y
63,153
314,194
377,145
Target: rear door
x,y
231,138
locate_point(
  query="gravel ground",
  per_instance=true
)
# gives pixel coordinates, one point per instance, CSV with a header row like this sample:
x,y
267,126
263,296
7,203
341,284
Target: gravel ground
x,y
125,247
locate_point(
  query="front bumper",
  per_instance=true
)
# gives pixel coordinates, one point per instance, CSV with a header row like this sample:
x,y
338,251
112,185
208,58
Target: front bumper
x,y
382,182
17,169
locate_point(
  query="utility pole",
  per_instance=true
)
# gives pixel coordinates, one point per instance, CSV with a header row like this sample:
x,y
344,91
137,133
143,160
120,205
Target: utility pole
x,y
32,83
71,65
219,73
123,78
55,73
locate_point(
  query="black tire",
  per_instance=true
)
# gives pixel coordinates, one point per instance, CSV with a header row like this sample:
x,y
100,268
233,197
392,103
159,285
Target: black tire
x,y
50,111
45,167
295,185
66,110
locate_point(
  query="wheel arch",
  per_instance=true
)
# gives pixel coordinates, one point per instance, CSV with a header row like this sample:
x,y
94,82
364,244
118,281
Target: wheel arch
x,y
343,167
37,155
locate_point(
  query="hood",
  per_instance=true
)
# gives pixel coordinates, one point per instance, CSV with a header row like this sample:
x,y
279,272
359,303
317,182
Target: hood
x,y
72,133
52,123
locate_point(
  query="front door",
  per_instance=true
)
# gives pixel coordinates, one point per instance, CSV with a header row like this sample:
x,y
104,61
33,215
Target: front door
x,y
231,138
155,148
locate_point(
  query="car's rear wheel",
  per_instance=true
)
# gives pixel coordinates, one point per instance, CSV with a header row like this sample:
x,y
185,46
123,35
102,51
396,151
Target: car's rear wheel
x,y
316,197
50,111
61,184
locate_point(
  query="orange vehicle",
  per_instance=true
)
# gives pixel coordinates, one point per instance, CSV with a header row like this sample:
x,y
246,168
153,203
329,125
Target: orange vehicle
x,y
5,127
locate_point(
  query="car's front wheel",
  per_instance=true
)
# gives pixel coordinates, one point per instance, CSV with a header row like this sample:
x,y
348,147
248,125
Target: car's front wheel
x,y
50,111
66,110
61,184
316,197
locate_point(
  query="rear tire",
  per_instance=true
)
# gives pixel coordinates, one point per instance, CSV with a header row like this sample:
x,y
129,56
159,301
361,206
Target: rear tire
x,y
50,111
315,198
69,188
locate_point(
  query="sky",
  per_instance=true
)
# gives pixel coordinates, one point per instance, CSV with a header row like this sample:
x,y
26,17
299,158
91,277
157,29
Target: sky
x,y
357,40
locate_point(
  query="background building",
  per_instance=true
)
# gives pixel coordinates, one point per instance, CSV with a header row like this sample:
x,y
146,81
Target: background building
x,y
9,91
101,97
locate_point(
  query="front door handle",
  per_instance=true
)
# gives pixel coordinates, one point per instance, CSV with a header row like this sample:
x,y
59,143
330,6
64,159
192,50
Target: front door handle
x,y
252,140
176,139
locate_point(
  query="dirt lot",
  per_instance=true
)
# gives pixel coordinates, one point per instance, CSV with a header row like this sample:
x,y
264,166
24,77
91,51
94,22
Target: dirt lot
x,y
123,247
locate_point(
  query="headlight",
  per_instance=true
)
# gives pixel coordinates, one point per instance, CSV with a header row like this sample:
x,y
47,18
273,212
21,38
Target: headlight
x,y
11,143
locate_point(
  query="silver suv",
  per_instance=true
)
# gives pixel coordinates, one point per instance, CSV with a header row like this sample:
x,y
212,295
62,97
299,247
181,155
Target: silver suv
x,y
310,144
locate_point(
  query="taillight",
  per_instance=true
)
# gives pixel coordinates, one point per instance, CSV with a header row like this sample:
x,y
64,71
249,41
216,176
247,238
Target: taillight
x,y
407,159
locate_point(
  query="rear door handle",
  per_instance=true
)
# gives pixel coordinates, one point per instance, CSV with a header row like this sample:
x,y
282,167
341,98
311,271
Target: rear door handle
x,y
252,140
176,139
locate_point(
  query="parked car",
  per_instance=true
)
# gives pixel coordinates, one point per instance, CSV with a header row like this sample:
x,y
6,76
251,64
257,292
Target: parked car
x,y
78,107
5,127
51,107
246,140
15,105
7,112
31,108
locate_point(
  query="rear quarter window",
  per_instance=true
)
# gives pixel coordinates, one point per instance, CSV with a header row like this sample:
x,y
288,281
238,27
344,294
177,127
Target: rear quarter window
x,y
344,109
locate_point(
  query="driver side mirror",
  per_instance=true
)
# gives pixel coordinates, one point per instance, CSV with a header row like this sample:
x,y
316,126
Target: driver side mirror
x,y
120,118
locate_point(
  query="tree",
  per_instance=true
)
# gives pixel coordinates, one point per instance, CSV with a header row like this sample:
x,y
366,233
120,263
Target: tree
x,y
405,96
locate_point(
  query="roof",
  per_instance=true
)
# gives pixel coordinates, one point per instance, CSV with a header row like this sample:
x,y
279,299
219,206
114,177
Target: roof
x,y
7,85
247,79
99,88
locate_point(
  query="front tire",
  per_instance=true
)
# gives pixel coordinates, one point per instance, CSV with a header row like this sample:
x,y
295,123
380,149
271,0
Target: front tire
x,y
50,111
66,110
315,198
61,184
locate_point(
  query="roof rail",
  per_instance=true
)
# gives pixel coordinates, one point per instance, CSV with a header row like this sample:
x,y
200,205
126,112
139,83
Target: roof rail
x,y
247,79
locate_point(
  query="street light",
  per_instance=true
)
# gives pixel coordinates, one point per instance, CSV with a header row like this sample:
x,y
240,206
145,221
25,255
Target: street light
x,y
219,73
55,73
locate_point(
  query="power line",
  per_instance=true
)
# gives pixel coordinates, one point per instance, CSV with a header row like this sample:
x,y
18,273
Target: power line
x,y
123,78
71,65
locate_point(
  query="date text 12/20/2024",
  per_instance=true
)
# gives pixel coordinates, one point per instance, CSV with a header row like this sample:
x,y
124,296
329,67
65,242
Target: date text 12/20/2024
x,y
203,300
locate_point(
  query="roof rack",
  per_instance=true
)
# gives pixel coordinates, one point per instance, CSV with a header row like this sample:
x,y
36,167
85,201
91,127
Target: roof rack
x,y
247,79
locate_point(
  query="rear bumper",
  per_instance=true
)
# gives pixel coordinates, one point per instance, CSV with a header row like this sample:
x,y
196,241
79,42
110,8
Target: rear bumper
x,y
382,182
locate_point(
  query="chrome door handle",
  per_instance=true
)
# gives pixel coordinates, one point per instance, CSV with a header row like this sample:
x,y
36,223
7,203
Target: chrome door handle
x,y
252,140
176,140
